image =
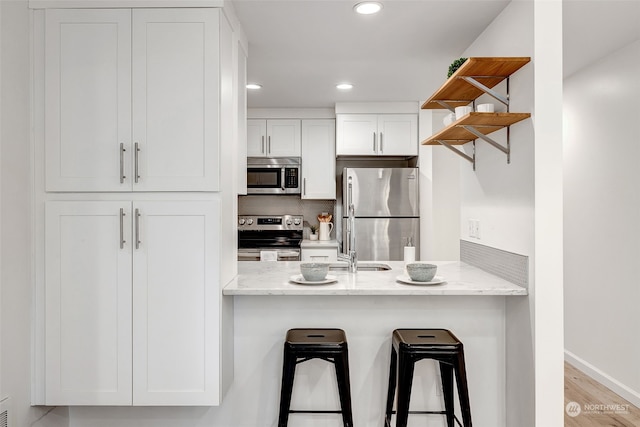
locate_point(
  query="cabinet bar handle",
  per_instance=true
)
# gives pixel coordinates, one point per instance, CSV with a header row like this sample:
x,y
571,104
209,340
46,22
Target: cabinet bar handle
x,y
304,186
138,229
136,150
269,144
380,142
122,150
262,146
374,142
122,241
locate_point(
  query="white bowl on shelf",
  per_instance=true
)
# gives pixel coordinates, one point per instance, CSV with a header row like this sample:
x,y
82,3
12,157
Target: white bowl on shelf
x,y
485,108
448,119
463,111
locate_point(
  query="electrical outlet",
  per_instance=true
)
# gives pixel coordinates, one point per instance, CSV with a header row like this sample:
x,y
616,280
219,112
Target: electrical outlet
x,y
474,228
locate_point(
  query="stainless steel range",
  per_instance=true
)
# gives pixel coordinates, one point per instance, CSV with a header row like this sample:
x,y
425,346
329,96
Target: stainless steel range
x,y
269,237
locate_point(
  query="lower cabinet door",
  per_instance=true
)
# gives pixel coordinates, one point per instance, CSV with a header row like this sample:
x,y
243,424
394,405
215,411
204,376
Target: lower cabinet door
x,y
175,303
132,303
88,303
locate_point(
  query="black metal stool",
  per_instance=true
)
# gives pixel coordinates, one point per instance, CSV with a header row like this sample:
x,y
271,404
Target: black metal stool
x,y
412,345
306,344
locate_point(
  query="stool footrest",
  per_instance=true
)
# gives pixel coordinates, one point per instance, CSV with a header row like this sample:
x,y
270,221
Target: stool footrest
x,y
302,411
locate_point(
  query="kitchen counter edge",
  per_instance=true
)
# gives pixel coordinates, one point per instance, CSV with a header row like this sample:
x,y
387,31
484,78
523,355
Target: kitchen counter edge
x,y
257,278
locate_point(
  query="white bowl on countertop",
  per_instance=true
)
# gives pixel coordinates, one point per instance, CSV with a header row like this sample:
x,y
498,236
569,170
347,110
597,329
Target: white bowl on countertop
x,y
421,271
314,271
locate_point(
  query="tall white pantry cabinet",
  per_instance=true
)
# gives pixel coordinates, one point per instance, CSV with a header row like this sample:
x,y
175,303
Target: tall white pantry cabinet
x,y
129,205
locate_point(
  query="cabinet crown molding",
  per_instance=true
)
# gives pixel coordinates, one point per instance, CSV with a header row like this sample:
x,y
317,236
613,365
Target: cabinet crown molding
x,y
405,107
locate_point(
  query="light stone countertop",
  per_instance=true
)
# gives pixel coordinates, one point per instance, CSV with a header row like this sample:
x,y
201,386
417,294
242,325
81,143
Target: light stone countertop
x,y
273,278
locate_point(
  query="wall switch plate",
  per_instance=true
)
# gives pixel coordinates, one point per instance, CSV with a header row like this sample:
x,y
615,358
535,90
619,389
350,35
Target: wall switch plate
x,y
474,228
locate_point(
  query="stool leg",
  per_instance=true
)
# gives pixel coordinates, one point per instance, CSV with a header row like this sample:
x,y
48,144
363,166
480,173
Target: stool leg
x,y
463,390
405,380
288,372
446,372
344,386
391,391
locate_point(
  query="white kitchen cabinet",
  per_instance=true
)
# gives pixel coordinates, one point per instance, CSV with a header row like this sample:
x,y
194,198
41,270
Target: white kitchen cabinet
x,y
318,159
319,250
88,303
131,99
377,135
273,138
132,299
319,255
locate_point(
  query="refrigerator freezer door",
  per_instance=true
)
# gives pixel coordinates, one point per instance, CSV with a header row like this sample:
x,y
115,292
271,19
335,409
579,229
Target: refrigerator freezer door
x,y
384,239
381,192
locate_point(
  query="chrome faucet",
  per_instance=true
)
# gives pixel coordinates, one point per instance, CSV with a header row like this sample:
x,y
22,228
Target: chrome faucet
x,y
350,254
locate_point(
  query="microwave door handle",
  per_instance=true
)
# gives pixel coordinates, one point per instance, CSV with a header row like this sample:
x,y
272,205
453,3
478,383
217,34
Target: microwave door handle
x,y
282,177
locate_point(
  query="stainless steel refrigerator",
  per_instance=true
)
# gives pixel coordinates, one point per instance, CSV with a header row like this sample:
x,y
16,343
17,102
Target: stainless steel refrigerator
x,y
386,210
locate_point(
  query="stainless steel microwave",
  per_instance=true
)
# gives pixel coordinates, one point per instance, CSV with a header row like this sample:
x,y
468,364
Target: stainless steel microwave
x,y
273,175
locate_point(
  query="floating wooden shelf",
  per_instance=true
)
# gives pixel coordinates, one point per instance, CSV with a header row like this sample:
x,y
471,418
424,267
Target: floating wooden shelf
x,y
457,134
476,77
460,90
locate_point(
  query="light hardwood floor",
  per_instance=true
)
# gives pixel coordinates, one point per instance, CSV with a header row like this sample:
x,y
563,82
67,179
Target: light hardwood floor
x,y
599,406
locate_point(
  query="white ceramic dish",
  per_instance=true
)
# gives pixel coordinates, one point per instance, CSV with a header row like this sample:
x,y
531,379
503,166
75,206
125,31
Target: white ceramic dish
x,y
404,278
299,279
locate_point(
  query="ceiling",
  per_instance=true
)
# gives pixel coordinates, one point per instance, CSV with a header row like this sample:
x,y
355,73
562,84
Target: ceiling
x,y
595,28
300,49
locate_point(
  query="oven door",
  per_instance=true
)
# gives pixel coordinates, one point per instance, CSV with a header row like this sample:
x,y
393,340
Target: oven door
x,y
253,254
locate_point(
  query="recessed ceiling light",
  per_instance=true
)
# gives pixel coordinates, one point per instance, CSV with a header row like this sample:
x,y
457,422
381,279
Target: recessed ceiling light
x,y
344,86
368,7
254,86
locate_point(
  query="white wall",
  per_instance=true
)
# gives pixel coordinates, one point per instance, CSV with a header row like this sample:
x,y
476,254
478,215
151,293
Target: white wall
x,y
519,205
439,194
501,195
15,311
602,226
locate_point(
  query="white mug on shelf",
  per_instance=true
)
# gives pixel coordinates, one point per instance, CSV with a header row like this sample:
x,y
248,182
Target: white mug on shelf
x,y
485,108
325,230
463,111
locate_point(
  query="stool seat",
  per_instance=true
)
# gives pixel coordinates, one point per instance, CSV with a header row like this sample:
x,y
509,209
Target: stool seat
x,y
426,339
412,345
316,338
314,343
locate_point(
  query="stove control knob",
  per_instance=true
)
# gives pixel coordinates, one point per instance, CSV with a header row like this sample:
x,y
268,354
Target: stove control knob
x,y
249,221
289,222
296,221
241,221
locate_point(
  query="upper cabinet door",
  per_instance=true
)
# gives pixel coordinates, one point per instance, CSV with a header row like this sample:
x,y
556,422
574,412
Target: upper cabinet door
x,y
87,100
283,138
398,135
318,159
357,135
88,303
175,99
256,138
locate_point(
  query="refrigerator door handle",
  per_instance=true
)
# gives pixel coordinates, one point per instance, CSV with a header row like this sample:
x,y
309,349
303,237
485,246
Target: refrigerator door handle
x,y
350,191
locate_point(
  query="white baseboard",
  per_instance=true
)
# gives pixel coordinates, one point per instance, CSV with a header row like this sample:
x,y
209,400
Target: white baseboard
x,y
596,374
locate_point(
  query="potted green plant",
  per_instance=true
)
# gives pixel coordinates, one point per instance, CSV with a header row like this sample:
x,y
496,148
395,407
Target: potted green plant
x,y
455,65
313,235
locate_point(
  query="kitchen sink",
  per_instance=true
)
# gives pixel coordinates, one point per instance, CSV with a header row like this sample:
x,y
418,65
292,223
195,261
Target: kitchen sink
x,y
362,266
